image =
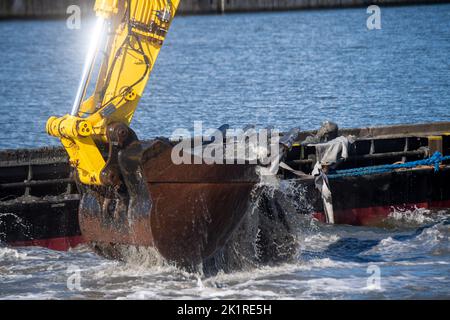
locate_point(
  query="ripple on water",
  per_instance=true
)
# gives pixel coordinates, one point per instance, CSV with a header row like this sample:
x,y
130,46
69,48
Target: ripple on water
x,y
409,262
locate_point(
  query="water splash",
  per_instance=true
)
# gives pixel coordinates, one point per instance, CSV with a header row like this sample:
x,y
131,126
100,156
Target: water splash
x,y
269,232
411,217
12,220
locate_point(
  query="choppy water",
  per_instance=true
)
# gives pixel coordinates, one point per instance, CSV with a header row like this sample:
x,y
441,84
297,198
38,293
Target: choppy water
x,y
333,262
281,69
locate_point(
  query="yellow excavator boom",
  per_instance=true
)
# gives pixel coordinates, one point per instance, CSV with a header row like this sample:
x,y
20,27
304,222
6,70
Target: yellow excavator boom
x,y
131,33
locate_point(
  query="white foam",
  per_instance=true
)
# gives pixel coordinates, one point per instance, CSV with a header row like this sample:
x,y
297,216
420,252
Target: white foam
x,y
414,216
11,254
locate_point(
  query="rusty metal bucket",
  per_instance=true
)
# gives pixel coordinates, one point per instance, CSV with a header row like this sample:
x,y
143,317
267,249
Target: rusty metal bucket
x,y
186,212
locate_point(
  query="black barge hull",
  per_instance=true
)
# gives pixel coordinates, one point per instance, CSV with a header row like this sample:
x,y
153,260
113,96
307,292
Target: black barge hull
x,y
38,199
369,200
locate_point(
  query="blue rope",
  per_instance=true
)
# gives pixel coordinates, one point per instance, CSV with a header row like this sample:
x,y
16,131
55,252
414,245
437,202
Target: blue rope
x,y
434,160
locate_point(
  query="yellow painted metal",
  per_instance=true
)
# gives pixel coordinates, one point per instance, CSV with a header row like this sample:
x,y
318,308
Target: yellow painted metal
x,y
106,8
85,156
69,127
132,50
76,137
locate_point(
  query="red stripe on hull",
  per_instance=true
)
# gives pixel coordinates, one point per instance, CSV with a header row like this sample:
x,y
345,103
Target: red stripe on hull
x,y
59,244
444,204
357,216
375,215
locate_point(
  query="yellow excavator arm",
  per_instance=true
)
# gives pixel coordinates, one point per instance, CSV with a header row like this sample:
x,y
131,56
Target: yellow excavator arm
x,y
131,33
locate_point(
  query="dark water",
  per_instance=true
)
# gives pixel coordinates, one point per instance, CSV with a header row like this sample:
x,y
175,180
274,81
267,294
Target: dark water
x,y
281,69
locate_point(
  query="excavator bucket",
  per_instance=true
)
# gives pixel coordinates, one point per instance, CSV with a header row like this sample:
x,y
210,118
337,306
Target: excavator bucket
x,y
186,212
